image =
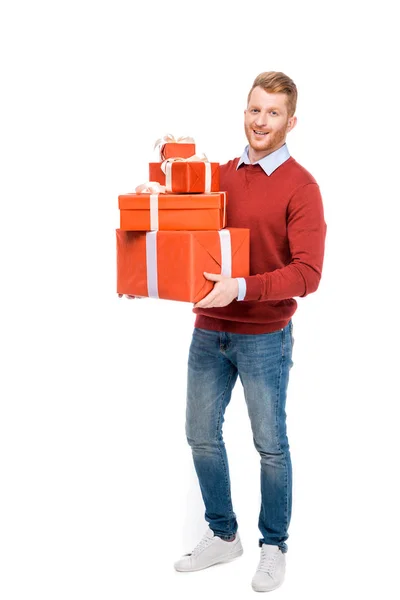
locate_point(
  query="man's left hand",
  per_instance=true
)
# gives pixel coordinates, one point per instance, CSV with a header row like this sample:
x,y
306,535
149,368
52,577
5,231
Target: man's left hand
x,y
224,291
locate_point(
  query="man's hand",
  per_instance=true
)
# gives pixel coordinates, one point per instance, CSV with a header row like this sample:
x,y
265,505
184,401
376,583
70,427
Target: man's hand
x,y
224,291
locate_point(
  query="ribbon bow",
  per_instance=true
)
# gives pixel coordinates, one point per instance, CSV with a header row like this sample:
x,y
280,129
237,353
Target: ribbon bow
x,y
195,158
150,187
169,138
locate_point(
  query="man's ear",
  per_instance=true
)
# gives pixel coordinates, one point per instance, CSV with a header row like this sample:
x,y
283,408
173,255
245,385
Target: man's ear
x,y
291,123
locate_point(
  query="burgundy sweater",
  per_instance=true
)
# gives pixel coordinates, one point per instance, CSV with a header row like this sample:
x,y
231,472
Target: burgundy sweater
x,y
284,213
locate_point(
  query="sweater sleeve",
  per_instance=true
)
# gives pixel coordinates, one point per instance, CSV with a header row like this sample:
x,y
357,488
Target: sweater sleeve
x,y
306,231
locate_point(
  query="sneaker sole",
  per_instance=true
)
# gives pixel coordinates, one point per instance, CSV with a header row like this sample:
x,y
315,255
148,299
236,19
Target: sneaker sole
x,y
259,589
217,562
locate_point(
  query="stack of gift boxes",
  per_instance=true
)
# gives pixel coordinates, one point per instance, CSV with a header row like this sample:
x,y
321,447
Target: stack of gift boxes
x,y
173,229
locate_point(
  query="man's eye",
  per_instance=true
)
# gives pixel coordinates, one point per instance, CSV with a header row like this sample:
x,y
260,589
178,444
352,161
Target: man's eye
x,y
254,110
274,113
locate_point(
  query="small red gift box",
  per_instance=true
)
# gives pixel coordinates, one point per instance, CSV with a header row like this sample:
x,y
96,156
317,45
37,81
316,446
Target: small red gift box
x,y
171,147
173,150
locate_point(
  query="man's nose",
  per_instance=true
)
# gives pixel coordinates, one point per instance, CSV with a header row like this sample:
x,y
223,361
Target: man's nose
x,y
261,120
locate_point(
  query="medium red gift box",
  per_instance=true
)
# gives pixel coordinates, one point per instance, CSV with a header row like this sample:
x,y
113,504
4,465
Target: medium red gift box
x,y
170,264
184,177
148,212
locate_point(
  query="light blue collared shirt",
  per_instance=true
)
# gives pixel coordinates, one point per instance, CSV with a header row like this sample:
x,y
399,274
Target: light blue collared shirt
x,y
269,164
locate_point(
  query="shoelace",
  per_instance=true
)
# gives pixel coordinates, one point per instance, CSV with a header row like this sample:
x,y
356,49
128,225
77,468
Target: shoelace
x,y
201,545
267,562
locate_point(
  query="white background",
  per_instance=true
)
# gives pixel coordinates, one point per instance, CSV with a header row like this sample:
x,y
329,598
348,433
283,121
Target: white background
x,y
98,493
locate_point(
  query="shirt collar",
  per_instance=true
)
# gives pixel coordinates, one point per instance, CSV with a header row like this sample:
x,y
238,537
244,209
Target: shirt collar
x,y
269,163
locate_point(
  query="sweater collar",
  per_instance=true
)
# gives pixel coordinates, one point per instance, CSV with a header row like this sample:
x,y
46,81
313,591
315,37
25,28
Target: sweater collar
x,y
269,163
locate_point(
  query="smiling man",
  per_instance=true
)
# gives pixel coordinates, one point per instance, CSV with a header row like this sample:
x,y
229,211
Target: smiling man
x,y
244,328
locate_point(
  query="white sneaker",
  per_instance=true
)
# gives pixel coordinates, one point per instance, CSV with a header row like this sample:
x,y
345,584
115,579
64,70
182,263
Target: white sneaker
x,y
271,570
209,551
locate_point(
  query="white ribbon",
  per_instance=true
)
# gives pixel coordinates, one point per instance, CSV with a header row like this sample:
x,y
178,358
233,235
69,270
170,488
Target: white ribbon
x,y
153,212
207,186
151,264
151,259
168,176
154,189
226,252
224,215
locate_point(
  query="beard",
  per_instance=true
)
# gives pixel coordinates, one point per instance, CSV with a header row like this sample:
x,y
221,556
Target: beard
x,y
272,141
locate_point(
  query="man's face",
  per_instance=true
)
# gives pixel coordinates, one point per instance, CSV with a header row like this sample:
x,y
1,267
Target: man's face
x,y
266,123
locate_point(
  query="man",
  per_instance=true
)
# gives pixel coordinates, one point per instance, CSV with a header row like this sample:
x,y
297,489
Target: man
x,y
243,328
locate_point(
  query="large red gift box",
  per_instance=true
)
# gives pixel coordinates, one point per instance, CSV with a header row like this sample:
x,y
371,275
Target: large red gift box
x,y
148,212
184,177
170,264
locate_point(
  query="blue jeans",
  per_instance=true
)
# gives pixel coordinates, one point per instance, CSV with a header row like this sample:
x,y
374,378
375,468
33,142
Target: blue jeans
x,y
263,362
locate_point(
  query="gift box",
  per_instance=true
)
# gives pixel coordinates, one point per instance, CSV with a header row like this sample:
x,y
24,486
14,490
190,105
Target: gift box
x,y
171,147
150,212
174,150
184,177
170,264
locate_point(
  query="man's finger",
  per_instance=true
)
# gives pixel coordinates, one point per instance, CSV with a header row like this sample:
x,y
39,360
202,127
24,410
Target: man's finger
x,y
213,276
129,296
205,302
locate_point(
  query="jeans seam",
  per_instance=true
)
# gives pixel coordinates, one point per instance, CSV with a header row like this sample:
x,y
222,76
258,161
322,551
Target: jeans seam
x,y
278,395
219,448
278,389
